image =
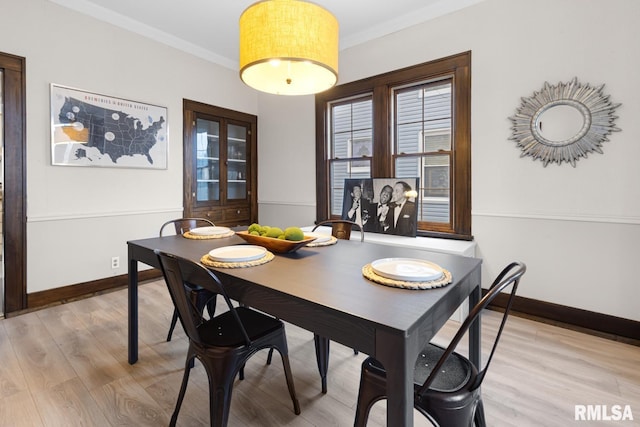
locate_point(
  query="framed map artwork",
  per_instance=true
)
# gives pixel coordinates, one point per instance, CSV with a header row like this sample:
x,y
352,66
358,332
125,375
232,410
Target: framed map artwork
x,y
90,129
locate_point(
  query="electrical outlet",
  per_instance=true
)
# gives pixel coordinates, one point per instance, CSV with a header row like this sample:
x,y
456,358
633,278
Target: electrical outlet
x,y
115,262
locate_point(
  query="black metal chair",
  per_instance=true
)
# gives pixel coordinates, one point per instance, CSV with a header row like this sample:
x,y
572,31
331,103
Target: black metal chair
x,y
223,343
201,297
446,384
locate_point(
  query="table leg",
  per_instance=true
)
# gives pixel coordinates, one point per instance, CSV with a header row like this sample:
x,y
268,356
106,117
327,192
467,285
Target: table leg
x,y
474,331
133,309
322,357
394,352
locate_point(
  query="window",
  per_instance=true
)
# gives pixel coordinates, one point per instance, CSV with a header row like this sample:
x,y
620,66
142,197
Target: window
x,y
422,135
351,145
413,122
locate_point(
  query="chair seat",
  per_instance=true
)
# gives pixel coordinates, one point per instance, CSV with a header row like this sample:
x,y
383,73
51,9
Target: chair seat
x,y
223,331
456,372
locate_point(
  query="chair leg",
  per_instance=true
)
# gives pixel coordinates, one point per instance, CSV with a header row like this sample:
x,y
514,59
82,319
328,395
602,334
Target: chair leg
x,y
372,388
322,357
174,320
183,389
355,352
478,417
366,398
219,404
289,377
221,378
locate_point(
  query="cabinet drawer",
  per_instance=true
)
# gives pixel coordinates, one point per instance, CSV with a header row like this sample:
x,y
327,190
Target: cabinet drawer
x,y
236,214
212,215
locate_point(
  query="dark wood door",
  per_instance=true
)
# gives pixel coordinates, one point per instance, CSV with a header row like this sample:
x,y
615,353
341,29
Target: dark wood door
x,y
14,185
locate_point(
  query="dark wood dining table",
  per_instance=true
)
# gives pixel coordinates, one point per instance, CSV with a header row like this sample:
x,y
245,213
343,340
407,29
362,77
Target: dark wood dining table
x,y
323,290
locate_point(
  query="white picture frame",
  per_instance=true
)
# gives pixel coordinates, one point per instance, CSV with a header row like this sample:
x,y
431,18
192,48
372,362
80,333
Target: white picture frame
x,y
96,130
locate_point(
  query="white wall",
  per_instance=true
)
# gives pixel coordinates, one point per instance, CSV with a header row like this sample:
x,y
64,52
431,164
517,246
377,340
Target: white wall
x,y
78,218
576,228
286,160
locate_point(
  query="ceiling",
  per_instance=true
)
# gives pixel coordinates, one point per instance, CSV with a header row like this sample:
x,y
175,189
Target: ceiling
x,y
209,28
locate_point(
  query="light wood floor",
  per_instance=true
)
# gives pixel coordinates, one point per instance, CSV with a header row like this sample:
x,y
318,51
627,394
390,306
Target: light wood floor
x,y
67,366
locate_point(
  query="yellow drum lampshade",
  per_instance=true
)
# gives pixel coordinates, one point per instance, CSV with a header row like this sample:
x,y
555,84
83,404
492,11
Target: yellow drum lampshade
x,y
288,47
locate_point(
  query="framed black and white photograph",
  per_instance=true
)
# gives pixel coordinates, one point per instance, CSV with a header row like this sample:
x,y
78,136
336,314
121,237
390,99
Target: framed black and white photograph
x,y
91,129
382,205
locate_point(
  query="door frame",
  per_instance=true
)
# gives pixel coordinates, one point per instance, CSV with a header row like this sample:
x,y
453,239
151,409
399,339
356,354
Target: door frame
x,y
14,185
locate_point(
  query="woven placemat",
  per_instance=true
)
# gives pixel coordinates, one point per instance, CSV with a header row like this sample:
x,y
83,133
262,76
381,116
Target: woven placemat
x,y
188,235
211,263
367,271
329,242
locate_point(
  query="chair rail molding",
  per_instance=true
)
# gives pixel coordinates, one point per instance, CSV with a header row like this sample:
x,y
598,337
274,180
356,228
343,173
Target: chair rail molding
x,y
88,215
287,203
613,219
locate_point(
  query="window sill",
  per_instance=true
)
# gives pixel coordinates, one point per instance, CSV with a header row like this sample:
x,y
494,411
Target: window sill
x,y
449,246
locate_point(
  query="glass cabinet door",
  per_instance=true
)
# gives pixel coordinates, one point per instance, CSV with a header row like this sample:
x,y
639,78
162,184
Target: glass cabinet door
x,y
207,160
220,161
236,162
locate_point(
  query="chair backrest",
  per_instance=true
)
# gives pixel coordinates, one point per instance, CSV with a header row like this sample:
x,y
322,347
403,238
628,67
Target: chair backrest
x,y
509,277
177,273
341,228
183,225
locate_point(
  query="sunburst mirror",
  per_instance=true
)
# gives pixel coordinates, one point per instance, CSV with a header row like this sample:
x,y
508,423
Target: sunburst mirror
x,y
563,123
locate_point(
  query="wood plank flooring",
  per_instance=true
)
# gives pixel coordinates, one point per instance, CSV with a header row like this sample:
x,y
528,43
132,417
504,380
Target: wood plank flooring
x,y
67,366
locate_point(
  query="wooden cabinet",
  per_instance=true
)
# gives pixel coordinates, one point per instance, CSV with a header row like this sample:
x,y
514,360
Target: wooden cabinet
x,y
220,164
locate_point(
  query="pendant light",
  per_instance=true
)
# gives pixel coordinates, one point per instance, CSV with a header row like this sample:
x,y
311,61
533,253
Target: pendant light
x,y
288,47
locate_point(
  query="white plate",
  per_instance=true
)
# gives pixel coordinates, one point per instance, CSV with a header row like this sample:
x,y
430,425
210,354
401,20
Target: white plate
x,y
237,253
209,231
408,269
320,238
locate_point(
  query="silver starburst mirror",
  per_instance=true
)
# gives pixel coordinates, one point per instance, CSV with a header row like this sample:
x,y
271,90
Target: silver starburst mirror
x,y
564,122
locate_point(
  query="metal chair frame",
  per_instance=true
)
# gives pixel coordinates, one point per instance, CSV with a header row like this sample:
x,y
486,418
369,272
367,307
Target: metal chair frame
x,y
224,343
460,403
199,296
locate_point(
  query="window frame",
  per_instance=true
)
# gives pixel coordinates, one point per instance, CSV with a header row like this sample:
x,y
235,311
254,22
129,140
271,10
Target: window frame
x,y
380,87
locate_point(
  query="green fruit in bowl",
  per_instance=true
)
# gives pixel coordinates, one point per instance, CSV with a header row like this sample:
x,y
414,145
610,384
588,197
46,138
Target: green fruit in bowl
x,y
294,234
274,232
255,227
264,230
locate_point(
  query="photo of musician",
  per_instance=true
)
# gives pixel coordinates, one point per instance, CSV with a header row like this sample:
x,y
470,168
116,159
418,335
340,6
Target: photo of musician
x,y
355,207
380,212
403,211
382,205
